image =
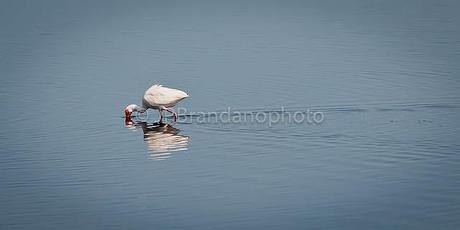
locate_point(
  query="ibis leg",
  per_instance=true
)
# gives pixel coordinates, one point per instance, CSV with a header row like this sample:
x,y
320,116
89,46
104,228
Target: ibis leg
x,y
161,115
173,113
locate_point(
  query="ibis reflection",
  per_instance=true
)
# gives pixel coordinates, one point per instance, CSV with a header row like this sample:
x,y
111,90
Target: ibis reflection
x,y
162,139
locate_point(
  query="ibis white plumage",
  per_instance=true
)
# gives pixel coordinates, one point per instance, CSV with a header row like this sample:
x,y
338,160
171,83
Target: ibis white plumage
x,y
160,98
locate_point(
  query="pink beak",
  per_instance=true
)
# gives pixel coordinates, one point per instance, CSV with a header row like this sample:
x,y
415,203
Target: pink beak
x,y
127,113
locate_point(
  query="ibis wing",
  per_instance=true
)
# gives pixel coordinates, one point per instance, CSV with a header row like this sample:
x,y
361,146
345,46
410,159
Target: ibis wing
x,y
159,95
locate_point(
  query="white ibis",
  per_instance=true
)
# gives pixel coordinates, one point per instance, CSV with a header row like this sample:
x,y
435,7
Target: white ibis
x,y
160,98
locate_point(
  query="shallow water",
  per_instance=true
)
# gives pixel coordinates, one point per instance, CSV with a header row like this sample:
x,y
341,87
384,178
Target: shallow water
x,y
384,74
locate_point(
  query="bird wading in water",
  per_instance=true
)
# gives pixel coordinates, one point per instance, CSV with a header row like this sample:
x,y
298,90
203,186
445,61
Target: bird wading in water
x,y
159,98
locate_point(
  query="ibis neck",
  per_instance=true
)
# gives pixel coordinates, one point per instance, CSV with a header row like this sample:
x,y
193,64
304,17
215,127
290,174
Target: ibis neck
x,y
140,109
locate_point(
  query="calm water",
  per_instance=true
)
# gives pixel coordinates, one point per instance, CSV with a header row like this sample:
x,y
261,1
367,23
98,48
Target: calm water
x,y
385,74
